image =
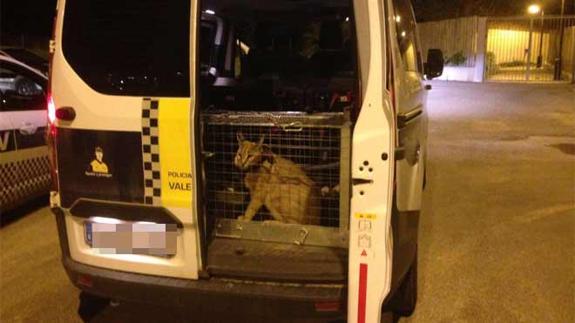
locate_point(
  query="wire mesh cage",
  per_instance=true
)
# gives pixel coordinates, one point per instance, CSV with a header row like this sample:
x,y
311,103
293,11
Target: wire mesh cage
x,y
299,174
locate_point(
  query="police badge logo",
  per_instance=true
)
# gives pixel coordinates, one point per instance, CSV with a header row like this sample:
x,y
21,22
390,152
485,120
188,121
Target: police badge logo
x,y
98,168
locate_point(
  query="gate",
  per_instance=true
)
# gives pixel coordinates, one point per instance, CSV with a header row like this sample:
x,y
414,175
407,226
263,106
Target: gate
x,y
538,48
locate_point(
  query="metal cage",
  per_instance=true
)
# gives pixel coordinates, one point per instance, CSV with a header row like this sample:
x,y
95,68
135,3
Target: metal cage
x,y
318,144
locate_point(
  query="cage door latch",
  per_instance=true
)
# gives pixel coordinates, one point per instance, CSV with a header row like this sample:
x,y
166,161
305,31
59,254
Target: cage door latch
x,y
302,234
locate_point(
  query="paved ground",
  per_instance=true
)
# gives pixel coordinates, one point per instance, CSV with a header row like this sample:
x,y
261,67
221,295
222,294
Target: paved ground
x,y
497,237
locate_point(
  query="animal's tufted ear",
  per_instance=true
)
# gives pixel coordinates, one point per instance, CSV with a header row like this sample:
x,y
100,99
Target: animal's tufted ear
x,y
261,141
240,137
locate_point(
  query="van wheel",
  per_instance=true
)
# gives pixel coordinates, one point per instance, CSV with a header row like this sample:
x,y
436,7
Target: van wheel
x,y
91,305
407,297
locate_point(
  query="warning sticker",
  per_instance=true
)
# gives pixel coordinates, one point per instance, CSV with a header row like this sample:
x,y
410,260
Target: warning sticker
x,y
367,216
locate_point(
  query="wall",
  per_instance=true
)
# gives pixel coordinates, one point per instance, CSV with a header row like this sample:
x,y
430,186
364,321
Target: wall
x,y
466,35
569,51
457,73
451,36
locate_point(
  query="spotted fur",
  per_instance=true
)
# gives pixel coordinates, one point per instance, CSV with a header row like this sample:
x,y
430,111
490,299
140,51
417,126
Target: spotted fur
x,y
276,183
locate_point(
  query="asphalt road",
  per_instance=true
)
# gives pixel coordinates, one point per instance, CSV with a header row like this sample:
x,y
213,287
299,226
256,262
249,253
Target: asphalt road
x,y
497,233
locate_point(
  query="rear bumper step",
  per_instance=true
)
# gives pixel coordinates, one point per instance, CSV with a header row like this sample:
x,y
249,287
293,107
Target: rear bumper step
x,y
246,297
184,293
247,259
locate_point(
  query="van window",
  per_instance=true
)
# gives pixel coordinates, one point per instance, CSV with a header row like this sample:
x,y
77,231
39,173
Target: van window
x,y
282,56
406,35
130,47
20,90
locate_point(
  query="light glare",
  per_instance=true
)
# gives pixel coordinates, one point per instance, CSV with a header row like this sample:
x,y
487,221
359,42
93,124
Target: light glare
x,y
51,110
534,9
210,12
105,220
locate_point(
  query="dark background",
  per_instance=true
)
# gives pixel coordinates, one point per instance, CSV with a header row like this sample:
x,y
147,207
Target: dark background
x,y
28,23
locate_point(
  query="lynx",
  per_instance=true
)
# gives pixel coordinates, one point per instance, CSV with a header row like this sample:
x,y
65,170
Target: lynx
x,y
276,183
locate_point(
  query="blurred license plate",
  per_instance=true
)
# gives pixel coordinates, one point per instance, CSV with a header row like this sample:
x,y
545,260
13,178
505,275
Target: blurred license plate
x,y
132,238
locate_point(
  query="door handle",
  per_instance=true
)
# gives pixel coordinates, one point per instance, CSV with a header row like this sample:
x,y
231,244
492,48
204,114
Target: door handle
x,y
28,129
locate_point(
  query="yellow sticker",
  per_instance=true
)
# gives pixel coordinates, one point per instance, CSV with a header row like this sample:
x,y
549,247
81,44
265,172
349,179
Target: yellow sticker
x,y
367,216
175,151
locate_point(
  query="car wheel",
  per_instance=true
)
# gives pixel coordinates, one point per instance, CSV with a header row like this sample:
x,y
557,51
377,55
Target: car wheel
x,y
91,305
407,297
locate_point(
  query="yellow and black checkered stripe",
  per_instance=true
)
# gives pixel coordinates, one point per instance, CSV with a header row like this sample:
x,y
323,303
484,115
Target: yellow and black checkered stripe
x,y
151,152
166,150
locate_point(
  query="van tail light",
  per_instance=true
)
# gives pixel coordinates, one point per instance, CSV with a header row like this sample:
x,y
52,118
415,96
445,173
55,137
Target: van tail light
x,y
51,111
51,135
85,280
51,132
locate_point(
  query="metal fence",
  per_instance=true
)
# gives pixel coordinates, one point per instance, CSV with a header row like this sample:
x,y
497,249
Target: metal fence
x,y
537,48
318,145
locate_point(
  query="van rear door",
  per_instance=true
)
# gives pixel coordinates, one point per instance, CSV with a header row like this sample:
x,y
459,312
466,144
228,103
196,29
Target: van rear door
x,y
123,68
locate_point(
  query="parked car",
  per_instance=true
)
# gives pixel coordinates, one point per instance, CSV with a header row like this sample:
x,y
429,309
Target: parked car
x,y
27,57
24,163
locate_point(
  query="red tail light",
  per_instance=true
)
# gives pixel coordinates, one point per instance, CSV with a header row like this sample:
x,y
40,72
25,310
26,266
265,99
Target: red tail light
x,y
85,280
51,141
51,111
52,130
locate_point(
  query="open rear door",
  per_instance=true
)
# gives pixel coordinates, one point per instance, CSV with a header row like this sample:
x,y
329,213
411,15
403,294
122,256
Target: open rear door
x,y
372,169
122,104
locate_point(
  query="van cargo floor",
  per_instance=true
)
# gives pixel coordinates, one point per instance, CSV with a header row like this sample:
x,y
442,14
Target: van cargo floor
x,y
276,261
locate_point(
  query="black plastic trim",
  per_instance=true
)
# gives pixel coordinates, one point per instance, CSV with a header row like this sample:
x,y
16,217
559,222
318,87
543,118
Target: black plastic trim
x,y
62,234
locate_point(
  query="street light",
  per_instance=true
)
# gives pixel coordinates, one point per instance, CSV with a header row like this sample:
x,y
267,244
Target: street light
x,y
534,9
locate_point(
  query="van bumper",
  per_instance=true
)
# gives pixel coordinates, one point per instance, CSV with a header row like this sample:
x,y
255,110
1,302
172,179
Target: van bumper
x,y
245,297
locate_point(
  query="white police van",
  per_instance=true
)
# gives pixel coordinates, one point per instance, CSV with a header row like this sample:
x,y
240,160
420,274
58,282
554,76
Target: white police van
x,y
24,163
268,156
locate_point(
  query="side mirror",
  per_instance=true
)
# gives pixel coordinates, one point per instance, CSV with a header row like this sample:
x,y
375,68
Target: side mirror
x,y
434,66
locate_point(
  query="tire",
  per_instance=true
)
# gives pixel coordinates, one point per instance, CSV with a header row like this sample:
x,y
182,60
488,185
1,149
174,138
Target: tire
x,y
91,305
407,297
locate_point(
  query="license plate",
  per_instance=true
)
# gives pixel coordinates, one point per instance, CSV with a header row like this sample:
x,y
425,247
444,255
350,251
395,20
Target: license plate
x,y
155,239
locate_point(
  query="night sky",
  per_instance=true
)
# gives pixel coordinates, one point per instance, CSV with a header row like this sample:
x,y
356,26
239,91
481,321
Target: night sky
x,y
30,17
33,18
